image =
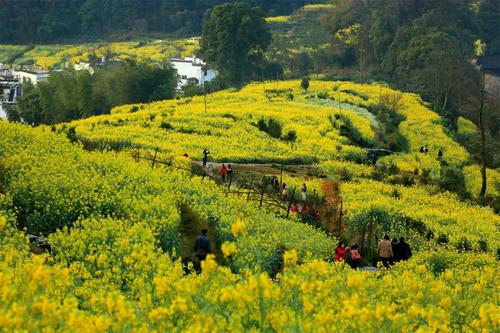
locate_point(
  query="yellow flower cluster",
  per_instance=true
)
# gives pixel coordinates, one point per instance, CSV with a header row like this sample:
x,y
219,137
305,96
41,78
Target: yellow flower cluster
x,y
115,226
441,292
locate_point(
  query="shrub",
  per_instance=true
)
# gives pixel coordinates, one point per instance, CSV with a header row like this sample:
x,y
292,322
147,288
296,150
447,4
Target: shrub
x,y
464,245
438,263
71,134
483,246
290,136
166,125
453,180
133,109
271,127
442,239
355,93
392,101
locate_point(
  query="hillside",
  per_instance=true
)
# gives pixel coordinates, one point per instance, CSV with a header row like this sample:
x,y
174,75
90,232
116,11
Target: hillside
x,y
56,56
120,199
325,129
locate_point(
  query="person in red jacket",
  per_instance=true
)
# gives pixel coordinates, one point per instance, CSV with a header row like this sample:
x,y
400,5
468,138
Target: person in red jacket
x,y
223,172
340,251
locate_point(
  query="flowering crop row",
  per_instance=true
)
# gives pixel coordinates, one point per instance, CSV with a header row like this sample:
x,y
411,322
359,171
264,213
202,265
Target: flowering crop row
x,y
107,276
227,128
54,184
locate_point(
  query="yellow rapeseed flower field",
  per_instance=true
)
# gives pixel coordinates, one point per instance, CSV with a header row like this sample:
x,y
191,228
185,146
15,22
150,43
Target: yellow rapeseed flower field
x,y
115,226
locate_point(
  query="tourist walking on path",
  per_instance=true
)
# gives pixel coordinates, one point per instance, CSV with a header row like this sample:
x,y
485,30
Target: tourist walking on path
x,y
277,185
205,157
340,251
229,172
304,192
201,248
404,249
355,256
223,172
285,191
395,251
385,251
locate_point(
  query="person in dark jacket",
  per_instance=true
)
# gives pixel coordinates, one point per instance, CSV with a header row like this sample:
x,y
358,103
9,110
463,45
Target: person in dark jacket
x,y
201,248
205,157
396,251
404,249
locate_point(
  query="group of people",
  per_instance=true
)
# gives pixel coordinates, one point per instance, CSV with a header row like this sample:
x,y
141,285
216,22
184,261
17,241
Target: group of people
x,y
393,252
303,209
389,252
341,252
425,150
226,172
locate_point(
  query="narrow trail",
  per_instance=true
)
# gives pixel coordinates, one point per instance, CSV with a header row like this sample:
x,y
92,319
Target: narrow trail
x,y
330,214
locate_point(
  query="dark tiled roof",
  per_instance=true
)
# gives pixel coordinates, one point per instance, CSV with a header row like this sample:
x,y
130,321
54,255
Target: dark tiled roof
x,y
489,62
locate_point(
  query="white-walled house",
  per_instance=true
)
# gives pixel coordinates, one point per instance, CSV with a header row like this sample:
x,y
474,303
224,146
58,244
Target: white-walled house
x,y
34,76
192,68
84,66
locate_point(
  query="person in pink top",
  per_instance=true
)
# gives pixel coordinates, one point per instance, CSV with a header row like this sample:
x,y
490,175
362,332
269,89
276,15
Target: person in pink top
x,y
355,256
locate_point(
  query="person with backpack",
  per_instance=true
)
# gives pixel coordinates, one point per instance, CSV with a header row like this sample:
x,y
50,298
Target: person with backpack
x,y
404,249
385,251
201,248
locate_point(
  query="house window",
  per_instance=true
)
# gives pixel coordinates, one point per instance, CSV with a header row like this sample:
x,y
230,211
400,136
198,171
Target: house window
x,y
184,77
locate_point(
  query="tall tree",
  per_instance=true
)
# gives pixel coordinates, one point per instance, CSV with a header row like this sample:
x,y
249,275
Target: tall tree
x,y
234,40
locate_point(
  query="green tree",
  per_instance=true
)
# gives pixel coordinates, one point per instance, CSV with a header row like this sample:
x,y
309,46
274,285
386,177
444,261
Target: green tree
x,y
28,105
234,40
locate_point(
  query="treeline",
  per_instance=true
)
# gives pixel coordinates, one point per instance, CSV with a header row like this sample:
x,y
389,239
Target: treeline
x,y
70,95
426,47
45,21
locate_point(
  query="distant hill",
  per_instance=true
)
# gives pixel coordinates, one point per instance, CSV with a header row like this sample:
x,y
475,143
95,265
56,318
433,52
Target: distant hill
x,y
35,21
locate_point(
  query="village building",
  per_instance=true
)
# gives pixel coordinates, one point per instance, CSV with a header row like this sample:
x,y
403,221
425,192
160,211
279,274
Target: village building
x,y
32,75
192,69
84,66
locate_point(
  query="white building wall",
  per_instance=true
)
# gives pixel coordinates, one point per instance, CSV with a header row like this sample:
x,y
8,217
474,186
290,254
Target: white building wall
x,y
31,76
192,68
3,115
